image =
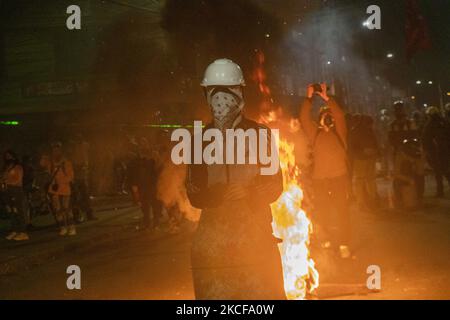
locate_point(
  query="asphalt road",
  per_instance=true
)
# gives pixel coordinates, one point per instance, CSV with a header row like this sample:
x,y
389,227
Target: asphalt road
x,y
135,267
411,249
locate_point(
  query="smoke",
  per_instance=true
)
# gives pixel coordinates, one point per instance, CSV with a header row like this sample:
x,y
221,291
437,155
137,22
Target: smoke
x,y
172,190
330,45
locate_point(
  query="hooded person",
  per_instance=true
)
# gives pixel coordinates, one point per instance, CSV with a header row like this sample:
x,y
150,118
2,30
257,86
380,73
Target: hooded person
x,y
330,172
234,255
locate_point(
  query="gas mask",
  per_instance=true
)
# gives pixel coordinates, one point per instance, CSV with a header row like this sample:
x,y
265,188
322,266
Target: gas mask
x,y
327,121
226,105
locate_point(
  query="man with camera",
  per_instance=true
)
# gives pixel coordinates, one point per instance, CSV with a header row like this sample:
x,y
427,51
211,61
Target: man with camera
x,y
330,171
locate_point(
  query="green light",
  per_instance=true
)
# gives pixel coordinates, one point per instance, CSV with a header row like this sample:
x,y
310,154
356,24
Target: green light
x,y
10,123
169,126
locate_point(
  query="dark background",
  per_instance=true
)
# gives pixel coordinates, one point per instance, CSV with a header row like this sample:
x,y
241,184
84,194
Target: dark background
x,y
141,61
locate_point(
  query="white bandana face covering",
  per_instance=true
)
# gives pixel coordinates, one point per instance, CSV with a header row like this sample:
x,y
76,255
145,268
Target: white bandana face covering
x,y
226,105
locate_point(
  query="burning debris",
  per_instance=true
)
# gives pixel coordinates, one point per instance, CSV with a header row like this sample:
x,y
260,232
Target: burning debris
x,y
290,222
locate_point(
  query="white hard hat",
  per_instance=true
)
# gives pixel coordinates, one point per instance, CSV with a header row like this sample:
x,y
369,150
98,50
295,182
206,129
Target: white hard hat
x,y
223,72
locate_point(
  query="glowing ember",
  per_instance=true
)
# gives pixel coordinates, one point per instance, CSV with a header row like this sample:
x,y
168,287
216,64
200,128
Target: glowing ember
x,y
290,222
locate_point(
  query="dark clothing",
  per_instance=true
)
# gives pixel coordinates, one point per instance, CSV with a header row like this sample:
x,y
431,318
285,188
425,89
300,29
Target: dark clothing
x,y
363,152
331,209
234,255
400,130
363,142
156,205
81,201
144,176
142,173
15,205
408,181
437,150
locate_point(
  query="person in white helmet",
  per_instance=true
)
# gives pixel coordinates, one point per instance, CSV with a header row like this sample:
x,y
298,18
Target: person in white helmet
x,y
234,255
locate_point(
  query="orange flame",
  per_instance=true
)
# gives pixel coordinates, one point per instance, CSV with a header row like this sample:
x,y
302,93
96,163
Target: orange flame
x,y
290,222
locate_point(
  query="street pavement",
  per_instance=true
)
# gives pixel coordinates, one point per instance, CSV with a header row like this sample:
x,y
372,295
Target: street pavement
x,y
411,249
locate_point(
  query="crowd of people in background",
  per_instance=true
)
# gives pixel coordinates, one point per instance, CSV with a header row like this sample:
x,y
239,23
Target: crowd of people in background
x,y
402,147
58,181
350,151
393,144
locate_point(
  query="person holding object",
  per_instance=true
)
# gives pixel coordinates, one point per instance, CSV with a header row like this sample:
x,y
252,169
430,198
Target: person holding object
x,y
330,172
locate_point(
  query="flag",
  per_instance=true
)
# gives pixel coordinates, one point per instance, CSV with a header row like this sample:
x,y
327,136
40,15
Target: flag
x,y
417,33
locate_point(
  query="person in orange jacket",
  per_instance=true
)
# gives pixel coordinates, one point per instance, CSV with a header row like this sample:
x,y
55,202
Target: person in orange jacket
x,y
59,190
330,173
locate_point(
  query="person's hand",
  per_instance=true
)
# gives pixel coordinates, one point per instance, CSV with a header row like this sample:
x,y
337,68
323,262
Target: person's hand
x,y
324,94
235,191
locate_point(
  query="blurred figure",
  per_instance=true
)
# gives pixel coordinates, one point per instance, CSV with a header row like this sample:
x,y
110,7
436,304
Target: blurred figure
x,y
364,150
143,181
14,197
401,128
330,175
165,170
447,122
419,121
408,175
384,122
80,199
59,189
436,147
28,185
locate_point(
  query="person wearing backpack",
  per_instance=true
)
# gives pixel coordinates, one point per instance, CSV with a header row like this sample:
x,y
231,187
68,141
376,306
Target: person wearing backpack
x,y
330,171
60,190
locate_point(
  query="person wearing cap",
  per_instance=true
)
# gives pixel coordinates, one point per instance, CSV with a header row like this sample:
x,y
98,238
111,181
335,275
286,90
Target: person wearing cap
x,y
436,148
234,254
330,172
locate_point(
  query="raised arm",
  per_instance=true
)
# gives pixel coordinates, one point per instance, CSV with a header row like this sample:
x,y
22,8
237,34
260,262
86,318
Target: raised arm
x,y
309,126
